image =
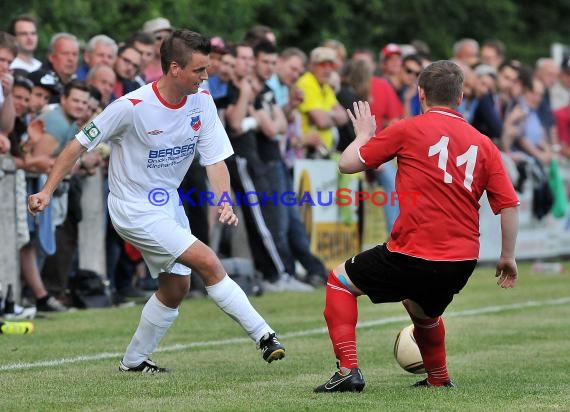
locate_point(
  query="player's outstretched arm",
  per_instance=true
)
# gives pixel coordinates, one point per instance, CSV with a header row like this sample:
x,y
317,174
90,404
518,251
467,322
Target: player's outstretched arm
x,y
507,266
220,180
63,165
364,128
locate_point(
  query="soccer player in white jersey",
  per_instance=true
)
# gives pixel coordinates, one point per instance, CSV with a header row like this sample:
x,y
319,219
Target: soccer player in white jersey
x,y
155,132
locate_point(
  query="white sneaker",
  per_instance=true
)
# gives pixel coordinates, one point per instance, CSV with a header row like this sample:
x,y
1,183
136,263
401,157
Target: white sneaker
x,y
292,284
21,313
286,283
271,286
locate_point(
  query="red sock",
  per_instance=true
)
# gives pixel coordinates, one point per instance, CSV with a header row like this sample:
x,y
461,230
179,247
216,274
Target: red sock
x,y
341,314
430,337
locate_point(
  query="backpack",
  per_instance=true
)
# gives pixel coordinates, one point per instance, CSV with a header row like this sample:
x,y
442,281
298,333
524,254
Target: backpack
x,y
89,290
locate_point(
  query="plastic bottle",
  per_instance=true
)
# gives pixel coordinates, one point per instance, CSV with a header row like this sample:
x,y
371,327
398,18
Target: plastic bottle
x,y
9,303
16,328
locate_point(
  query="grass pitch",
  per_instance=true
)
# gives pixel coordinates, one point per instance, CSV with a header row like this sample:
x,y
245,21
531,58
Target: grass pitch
x,y
508,350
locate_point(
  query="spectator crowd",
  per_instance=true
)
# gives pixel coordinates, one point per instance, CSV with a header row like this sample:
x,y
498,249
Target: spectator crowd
x,y
278,104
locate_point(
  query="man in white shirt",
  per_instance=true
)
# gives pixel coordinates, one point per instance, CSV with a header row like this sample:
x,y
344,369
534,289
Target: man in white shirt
x,y
25,28
155,132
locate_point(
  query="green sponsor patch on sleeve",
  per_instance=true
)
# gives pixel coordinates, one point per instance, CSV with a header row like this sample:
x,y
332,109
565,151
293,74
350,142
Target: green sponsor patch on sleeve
x,y
91,131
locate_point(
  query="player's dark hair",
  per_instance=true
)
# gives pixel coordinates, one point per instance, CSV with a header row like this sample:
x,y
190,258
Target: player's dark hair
x,y
442,82
179,46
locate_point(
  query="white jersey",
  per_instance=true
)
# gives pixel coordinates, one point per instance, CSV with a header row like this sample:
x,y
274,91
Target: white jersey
x,y
153,142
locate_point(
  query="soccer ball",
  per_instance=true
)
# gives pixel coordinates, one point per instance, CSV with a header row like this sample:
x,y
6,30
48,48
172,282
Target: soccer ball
x,y
407,353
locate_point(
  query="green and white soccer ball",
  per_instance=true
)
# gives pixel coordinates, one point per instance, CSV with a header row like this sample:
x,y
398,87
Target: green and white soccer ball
x,y
407,353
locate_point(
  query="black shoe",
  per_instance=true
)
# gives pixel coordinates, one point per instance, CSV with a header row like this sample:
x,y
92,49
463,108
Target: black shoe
x,y
131,292
270,347
50,304
146,366
425,384
353,382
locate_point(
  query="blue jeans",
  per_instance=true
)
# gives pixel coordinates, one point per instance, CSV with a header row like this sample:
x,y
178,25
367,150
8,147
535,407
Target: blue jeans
x,y
298,238
387,179
285,224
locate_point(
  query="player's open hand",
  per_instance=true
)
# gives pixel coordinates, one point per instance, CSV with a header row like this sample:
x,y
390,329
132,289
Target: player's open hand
x,y
363,122
506,272
227,215
37,203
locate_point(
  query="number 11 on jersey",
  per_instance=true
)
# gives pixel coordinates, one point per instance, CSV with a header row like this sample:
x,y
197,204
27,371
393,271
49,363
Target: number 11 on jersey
x,y
468,158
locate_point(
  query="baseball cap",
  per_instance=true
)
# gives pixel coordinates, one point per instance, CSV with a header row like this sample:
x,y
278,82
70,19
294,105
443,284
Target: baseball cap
x,y
322,54
46,79
158,24
217,44
391,49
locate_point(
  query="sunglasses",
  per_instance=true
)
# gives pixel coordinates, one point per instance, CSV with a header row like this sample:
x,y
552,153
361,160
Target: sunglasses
x,y
410,71
326,64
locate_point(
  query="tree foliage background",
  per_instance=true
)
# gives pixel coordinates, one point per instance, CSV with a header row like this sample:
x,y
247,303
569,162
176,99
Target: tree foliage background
x,y
526,27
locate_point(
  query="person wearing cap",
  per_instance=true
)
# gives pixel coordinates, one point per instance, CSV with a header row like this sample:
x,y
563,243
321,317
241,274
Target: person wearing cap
x,y
218,82
159,28
320,109
391,63
45,85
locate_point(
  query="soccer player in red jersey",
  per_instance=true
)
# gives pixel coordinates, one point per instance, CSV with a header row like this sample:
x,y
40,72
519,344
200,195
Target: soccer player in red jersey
x,y
434,245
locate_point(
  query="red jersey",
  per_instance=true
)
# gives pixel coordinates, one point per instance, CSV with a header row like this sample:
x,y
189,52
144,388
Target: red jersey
x,y
384,102
444,165
563,124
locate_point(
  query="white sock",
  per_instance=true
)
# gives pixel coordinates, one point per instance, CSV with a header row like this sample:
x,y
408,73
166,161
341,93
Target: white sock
x,y
231,299
156,318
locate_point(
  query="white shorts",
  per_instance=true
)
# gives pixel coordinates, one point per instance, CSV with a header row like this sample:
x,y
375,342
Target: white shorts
x,y
160,233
